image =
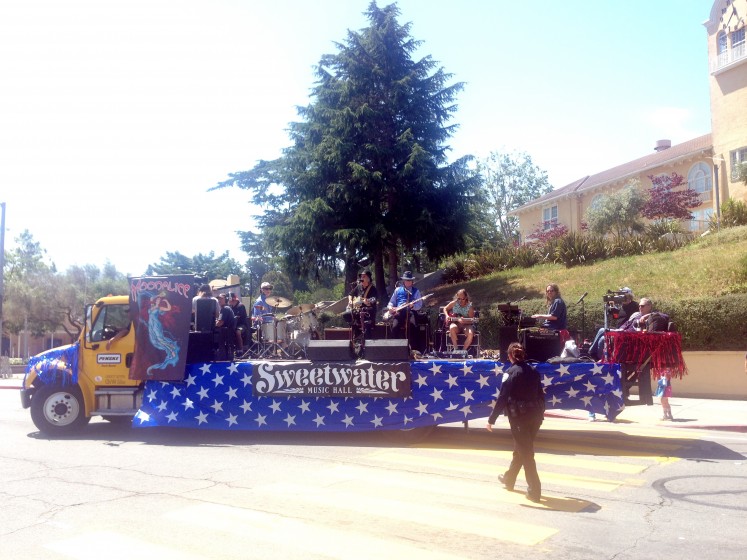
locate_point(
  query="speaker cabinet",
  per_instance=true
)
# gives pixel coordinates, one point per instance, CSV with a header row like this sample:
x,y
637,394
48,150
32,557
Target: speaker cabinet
x,y
201,347
542,347
507,335
329,351
395,349
336,333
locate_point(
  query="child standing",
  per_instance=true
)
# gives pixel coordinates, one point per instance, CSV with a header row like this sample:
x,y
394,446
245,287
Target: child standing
x,y
664,391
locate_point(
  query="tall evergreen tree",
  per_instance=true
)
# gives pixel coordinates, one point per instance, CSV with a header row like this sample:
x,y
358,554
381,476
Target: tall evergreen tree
x,y
367,171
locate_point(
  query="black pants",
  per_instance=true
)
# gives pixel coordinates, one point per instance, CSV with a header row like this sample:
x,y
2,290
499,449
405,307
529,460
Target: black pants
x,y
524,429
400,325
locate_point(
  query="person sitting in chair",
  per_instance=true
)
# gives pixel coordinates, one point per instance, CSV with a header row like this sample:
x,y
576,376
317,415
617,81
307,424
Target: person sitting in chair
x,y
361,311
556,316
403,302
456,311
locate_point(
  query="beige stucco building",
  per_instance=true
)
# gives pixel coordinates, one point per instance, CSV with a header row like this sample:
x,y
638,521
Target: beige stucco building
x,y
708,163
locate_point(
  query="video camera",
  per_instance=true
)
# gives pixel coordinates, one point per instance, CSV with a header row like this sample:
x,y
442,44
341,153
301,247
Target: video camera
x,y
612,302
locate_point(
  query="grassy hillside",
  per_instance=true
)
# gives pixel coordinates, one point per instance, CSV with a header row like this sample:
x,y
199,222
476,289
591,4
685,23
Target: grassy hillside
x,y
712,266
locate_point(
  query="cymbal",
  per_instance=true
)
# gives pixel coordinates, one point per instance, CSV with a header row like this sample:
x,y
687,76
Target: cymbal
x,y
277,301
302,308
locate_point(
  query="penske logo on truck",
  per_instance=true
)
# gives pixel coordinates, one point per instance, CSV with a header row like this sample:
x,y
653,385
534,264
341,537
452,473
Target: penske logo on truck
x,y
109,359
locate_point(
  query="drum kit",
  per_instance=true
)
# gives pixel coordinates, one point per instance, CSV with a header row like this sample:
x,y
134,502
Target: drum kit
x,y
286,335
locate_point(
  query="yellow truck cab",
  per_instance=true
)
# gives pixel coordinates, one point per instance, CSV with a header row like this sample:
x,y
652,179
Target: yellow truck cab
x,y
65,386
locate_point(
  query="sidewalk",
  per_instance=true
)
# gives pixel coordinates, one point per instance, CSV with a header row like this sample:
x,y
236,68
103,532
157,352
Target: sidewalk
x,y
699,414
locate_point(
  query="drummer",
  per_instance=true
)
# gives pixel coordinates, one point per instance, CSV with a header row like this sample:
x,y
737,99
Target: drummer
x,y
262,312
362,301
456,311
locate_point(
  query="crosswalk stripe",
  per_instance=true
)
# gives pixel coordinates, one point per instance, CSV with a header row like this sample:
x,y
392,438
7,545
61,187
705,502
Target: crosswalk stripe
x,y
307,537
116,546
587,483
431,515
547,459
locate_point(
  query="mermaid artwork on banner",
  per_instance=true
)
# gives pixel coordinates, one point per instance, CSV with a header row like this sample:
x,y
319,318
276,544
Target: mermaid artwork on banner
x,y
160,310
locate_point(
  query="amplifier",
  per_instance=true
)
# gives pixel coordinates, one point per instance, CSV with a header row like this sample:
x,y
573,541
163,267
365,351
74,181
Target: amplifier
x,y
540,344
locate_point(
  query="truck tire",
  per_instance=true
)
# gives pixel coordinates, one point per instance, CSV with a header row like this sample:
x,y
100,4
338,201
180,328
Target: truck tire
x,y
58,410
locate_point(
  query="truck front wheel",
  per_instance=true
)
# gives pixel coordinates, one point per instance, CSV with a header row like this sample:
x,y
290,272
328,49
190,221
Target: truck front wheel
x,y
58,410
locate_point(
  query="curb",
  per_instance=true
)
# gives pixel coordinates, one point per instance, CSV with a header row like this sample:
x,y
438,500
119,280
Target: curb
x,y
720,427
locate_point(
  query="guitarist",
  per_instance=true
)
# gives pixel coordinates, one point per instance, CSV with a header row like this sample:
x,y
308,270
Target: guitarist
x,y
456,311
361,312
404,300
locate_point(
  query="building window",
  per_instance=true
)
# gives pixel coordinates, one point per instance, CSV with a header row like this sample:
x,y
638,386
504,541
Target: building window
x,y
737,157
737,44
596,201
722,51
699,180
701,219
549,217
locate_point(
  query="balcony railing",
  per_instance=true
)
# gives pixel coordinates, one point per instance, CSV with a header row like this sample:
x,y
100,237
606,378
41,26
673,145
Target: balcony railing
x,y
737,54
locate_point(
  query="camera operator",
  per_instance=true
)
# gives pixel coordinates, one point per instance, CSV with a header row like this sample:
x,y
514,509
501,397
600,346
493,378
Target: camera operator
x,y
626,315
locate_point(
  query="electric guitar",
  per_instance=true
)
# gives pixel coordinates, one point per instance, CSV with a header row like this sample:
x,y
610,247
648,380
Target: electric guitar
x,y
390,313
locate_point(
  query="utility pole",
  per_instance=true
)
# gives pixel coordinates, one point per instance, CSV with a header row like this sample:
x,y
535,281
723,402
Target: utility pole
x,y
2,270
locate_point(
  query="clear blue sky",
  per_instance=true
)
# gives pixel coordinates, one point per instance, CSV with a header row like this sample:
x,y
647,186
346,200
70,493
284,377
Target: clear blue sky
x,y
108,106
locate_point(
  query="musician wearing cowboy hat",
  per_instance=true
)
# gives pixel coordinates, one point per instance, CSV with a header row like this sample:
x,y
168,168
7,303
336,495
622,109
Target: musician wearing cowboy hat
x,y
404,301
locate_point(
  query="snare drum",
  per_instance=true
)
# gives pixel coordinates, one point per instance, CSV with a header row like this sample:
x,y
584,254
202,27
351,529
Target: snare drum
x,y
275,331
308,321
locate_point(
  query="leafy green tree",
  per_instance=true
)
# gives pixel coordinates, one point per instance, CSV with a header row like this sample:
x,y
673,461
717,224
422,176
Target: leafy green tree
x,y
618,213
207,266
511,180
367,170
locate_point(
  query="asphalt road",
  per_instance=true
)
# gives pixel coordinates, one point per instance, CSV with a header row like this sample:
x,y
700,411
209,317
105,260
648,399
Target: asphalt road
x,y
610,491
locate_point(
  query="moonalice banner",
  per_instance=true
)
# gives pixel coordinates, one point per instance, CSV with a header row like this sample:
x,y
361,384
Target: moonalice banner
x,y
160,311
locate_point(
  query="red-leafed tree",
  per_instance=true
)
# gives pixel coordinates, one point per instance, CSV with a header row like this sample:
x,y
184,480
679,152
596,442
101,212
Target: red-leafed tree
x,y
667,203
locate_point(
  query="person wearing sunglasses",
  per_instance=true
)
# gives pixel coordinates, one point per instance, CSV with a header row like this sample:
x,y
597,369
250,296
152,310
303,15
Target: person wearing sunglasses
x,y
556,316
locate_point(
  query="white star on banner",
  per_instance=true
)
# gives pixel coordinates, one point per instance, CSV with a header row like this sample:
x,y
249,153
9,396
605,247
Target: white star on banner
x,y
546,381
590,386
578,378
319,420
452,406
572,392
290,420
260,419
377,421
436,416
467,369
436,368
142,416
608,379
618,393
496,394
597,369
466,410
392,407
362,407
172,416
246,380
348,421
555,400
498,369
201,418
421,380
467,395
333,407
587,400
205,369
190,380
187,404
563,369
231,419
422,408
162,406
175,392
231,393
218,379
483,381
217,406
451,381
406,420
436,394
151,395
203,393
304,407
246,407
233,368
275,406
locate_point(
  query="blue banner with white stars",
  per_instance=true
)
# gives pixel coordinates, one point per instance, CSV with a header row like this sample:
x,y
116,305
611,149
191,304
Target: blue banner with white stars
x,y
218,396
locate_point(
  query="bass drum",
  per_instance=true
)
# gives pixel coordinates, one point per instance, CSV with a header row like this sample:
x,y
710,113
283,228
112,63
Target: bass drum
x,y
275,331
301,338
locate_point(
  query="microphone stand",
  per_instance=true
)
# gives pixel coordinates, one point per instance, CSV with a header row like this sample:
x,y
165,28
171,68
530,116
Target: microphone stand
x,y
583,316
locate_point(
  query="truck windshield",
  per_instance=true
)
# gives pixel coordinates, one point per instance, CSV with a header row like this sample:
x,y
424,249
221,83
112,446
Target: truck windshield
x,y
110,320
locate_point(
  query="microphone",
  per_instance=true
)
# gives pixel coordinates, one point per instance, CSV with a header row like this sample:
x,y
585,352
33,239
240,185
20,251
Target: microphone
x,y
582,298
